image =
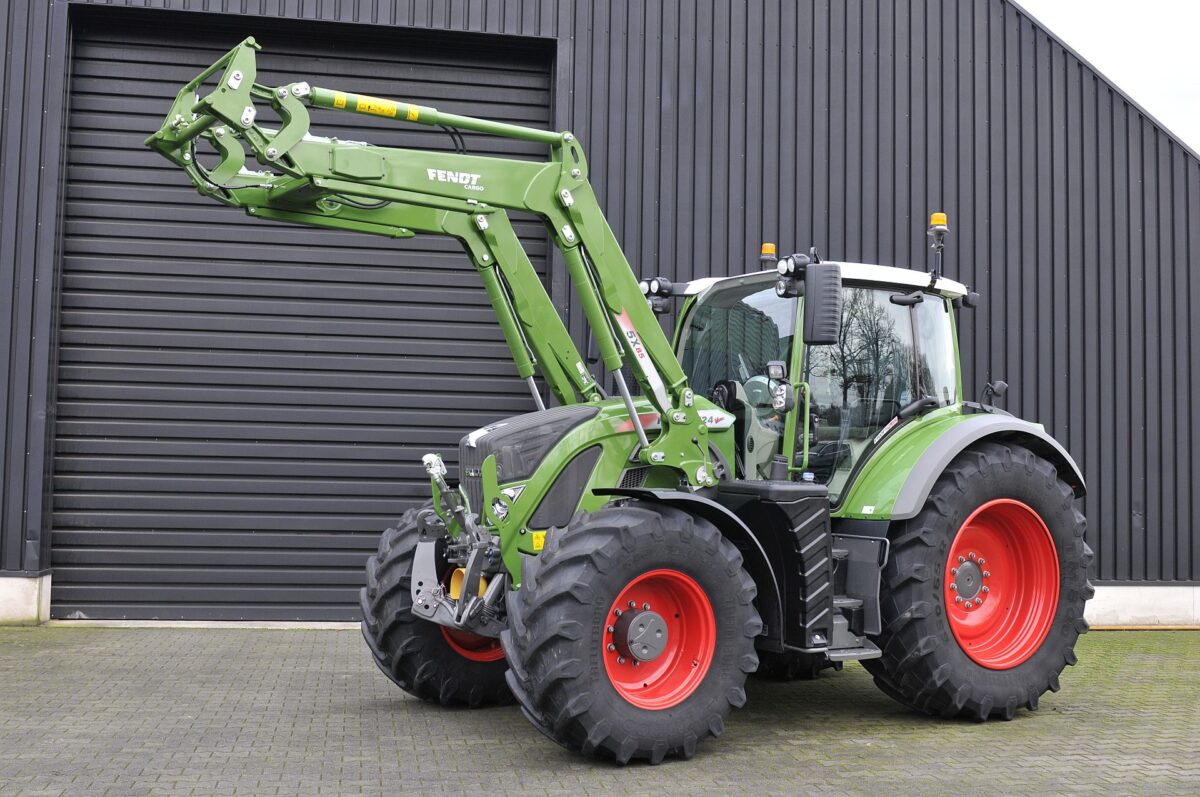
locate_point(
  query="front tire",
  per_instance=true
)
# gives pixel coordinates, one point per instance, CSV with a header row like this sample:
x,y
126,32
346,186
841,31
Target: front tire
x,y
572,655
427,660
984,591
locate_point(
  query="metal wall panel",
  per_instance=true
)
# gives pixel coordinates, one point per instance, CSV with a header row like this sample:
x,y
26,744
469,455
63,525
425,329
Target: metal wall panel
x,y
32,79
242,406
713,124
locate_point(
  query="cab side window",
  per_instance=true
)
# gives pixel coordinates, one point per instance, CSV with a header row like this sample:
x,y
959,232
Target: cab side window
x,y
859,383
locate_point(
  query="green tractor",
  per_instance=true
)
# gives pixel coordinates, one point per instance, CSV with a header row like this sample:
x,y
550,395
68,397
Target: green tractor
x,y
796,482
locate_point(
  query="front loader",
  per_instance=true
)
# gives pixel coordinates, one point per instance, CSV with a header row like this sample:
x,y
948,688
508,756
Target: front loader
x,y
794,482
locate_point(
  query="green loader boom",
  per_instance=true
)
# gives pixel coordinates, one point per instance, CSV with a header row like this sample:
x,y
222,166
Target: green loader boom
x,y
395,192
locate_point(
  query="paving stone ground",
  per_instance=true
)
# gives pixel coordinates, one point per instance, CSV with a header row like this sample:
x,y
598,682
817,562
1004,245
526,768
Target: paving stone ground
x,y
99,711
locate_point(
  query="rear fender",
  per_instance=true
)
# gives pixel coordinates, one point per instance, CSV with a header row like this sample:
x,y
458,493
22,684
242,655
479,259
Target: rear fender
x,y
754,557
997,428
895,483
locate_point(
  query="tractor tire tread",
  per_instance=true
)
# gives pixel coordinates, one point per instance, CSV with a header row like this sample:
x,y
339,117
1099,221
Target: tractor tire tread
x,y
552,685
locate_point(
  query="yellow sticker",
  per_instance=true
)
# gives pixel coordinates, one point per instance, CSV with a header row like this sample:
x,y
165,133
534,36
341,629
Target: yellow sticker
x,y
413,113
376,106
339,99
539,540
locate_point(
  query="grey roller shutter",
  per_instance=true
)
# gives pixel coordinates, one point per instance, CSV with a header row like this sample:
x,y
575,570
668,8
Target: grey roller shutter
x,y
242,407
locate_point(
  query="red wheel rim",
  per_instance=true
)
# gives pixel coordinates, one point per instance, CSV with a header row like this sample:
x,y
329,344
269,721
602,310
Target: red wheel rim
x,y
1001,584
690,640
473,646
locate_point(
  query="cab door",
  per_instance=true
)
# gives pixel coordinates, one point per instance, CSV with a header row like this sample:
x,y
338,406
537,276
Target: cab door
x,y
726,340
887,355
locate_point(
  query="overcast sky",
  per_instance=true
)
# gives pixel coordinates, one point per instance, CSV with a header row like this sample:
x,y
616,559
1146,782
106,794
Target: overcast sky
x,y
1148,48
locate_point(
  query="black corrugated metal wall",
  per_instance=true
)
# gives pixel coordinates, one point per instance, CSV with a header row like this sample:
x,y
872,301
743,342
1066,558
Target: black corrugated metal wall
x,y
242,406
711,125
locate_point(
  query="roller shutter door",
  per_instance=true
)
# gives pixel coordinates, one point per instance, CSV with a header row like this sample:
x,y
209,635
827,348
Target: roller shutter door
x,y
241,406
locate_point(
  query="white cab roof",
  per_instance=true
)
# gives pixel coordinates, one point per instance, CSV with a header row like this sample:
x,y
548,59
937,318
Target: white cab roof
x,y
856,272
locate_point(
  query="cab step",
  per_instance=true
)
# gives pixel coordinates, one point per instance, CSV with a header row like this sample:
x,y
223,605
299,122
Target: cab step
x,y
868,651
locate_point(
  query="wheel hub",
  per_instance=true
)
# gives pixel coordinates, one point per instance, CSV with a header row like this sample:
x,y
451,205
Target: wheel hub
x,y
640,634
968,580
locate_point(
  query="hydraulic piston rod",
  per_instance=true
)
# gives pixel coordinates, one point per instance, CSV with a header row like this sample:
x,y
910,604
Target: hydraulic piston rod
x,y
424,115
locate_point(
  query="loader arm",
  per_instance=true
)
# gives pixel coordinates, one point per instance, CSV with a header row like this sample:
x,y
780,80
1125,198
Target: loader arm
x,y
398,192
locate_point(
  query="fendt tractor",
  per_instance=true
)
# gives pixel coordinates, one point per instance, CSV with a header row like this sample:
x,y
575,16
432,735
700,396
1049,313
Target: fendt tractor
x,y
795,483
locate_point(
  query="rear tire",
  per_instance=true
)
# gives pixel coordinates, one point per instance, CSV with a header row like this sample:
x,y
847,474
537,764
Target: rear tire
x,y
422,658
589,697
997,502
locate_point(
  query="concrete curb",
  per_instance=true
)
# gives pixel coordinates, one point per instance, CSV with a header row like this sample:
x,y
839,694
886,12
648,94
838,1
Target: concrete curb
x,y
24,600
1114,607
1145,605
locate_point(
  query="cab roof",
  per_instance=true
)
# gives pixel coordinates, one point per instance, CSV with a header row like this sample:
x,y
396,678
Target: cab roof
x,y
853,272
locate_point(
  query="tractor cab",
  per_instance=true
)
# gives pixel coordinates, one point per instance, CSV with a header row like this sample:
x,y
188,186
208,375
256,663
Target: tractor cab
x,y
814,409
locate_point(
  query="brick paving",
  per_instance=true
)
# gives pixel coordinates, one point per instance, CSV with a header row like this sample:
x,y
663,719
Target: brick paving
x,y
98,711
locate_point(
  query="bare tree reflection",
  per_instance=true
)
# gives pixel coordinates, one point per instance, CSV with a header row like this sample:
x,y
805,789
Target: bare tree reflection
x,y
860,382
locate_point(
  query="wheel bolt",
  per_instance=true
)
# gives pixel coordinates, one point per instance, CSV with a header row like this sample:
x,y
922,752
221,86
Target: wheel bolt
x,y
981,562
611,629
617,612
632,605
987,573
611,647
636,663
954,588
971,555
620,659
986,589
646,606
954,571
961,559
958,598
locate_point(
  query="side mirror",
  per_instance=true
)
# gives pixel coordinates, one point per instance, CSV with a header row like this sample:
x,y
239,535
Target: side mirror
x,y
822,303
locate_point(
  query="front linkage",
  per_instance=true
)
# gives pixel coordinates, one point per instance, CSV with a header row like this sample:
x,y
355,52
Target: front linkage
x,y
472,547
